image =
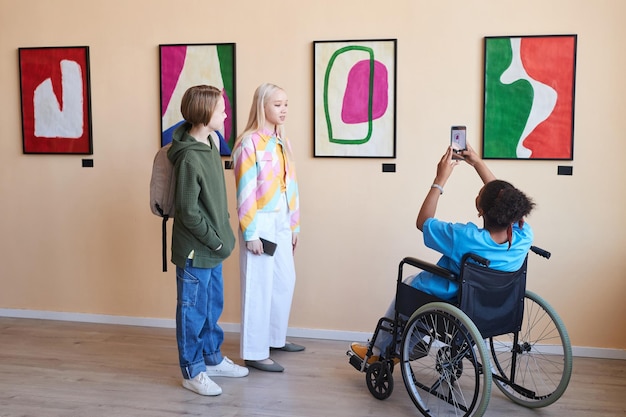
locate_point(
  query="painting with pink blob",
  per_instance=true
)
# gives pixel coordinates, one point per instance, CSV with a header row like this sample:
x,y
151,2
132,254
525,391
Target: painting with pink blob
x,y
355,98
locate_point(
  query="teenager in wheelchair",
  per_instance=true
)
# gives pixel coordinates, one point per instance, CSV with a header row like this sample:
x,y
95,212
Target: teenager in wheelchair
x,y
442,319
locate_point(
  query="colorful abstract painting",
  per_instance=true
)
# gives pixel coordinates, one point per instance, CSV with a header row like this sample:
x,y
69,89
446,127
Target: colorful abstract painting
x,y
355,98
184,66
529,97
55,93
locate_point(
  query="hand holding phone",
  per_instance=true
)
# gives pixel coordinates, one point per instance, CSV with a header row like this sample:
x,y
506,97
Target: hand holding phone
x,y
458,139
268,247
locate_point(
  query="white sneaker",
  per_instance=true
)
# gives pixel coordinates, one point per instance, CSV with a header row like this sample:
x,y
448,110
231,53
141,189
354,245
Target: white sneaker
x,y
202,384
227,368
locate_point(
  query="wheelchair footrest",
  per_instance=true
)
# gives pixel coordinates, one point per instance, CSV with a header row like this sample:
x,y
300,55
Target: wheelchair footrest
x,y
356,361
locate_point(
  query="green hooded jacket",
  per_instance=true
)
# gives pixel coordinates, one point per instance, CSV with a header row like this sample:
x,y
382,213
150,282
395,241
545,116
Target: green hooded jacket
x,y
201,223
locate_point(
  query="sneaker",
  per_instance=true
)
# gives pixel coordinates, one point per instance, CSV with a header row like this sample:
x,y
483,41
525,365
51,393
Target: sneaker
x,y
227,368
361,350
202,384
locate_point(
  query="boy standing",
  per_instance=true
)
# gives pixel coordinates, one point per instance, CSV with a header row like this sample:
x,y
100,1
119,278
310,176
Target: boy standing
x,y
201,239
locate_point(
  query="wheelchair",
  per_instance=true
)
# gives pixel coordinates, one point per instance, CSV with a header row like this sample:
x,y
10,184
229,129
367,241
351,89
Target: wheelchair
x,y
450,354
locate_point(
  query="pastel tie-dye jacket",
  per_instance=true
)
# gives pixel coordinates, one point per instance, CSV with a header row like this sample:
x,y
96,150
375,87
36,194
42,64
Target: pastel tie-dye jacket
x,y
257,176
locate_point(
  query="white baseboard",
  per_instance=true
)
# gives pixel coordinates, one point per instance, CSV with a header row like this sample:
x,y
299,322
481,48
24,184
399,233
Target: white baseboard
x,y
87,318
578,351
171,323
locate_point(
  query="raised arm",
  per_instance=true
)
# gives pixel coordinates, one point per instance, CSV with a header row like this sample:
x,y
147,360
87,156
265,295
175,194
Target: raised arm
x,y
429,206
472,158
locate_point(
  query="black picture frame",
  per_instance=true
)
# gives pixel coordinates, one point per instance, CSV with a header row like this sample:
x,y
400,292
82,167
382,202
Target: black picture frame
x,y
55,95
528,102
185,65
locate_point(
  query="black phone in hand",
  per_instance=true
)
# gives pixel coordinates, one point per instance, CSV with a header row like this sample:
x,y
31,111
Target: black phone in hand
x,y
269,247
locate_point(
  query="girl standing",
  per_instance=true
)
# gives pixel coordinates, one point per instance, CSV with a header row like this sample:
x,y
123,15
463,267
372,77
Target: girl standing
x,y
268,208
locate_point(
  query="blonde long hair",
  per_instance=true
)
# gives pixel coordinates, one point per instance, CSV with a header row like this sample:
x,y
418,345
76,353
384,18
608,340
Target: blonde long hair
x,y
256,119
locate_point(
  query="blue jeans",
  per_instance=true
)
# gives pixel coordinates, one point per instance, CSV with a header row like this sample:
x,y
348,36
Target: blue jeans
x,y
200,296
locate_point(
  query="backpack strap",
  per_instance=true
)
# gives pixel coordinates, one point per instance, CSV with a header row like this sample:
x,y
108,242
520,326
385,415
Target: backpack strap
x,y
165,218
164,241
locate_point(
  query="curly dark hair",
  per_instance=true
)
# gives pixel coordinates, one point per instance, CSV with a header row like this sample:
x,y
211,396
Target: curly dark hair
x,y
502,204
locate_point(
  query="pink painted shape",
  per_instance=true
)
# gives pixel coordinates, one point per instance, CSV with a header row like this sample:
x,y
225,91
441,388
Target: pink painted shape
x,y
356,96
172,62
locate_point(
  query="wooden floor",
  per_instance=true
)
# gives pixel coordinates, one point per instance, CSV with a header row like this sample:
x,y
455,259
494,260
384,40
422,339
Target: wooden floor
x,y
52,368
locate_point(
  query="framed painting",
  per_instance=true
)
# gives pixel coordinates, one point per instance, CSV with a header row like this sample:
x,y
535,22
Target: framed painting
x,y
55,99
355,98
184,66
529,89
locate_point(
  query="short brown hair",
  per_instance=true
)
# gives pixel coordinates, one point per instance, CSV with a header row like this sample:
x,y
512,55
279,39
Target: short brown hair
x,y
198,104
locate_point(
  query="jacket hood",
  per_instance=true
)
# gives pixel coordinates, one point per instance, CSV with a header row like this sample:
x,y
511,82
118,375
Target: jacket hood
x,y
182,142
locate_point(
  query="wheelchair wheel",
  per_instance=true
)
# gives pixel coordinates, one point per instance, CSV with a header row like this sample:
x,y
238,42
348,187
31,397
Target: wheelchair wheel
x,y
534,366
442,353
379,380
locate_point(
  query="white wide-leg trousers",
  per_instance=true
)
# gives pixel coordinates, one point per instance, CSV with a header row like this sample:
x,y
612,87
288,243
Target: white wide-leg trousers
x,y
267,285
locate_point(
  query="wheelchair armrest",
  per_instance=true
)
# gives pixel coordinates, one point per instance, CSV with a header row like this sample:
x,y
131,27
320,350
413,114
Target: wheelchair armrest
x,y
429,267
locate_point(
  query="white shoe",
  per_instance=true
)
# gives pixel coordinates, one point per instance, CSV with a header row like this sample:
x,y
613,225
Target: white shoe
x,y
227,368
202,384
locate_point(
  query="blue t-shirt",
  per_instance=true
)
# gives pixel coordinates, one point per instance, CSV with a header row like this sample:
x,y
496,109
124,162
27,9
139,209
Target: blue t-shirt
x,y
453,240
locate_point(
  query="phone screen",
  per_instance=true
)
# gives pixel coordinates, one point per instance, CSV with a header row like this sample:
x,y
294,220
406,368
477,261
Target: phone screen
x,y
457,138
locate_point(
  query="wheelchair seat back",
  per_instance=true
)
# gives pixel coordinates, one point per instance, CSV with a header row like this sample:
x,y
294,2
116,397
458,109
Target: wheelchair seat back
x,y
493,300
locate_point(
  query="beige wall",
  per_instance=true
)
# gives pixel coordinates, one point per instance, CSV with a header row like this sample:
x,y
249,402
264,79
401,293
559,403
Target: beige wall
x,y
83,240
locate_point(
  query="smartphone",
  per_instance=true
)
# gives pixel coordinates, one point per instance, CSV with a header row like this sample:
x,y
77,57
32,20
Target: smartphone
x,y
458,138
269,247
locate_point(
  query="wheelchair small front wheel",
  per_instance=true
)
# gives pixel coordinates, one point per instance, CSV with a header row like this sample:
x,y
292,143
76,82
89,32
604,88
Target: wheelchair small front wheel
x,y
379,380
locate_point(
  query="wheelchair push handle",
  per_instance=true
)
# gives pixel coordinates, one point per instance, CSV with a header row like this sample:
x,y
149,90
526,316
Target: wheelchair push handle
x,y
541,252
476,258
